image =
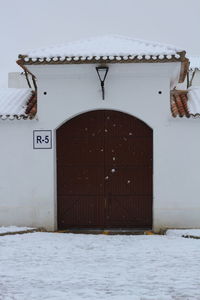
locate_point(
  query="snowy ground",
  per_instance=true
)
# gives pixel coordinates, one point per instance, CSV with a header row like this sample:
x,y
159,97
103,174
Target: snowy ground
x,y
13,229
70,266
183,232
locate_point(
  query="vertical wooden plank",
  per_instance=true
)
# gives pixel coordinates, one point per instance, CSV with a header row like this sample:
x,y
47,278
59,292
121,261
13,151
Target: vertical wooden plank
x,y
104,171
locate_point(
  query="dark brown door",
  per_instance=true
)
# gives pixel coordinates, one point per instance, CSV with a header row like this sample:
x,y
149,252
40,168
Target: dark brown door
x,y
104,171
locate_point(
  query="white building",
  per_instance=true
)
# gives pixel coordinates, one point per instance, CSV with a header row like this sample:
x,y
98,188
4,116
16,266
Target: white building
x,y
194,70
73,160
193,76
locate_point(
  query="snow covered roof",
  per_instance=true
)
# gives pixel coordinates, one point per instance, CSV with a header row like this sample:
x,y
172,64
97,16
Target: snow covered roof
x,y
106,48
16,103
194,100
194,62
186,103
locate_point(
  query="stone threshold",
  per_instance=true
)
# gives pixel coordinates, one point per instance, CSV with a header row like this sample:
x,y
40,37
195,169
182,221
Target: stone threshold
x,y
108,231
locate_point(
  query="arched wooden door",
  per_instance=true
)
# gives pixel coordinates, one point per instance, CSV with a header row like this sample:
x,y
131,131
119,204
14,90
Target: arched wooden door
x,y
104,171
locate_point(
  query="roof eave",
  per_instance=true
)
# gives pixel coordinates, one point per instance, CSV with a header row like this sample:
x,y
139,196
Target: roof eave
x,y
16,117
25,60
184,66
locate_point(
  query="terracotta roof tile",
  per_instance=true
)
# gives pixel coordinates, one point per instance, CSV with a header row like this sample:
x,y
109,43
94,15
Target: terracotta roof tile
x,y
17,103
100,46
31,108
179,101
186,103
106,49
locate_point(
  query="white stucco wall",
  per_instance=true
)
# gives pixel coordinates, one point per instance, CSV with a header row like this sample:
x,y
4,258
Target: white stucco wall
x,y
196,80
18,80
28,176
26,184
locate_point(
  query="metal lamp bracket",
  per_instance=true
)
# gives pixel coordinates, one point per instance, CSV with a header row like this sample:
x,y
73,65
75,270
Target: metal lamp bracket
x,y
102,72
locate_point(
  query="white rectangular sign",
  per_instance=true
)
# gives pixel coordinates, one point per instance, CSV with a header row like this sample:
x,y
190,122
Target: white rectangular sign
x,y
42,139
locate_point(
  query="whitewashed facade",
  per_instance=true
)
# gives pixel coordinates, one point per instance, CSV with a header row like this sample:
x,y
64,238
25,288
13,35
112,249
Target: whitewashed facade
x,y
28,176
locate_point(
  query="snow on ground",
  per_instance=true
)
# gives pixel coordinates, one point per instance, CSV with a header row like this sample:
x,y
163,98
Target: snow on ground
x,y
14,229
76,266
183,232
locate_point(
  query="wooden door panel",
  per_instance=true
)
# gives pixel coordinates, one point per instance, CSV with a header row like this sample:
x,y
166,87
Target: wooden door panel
x,y
104,171
128,180
81,151
85,211
81,180
121,124
84,125
129,211
128,151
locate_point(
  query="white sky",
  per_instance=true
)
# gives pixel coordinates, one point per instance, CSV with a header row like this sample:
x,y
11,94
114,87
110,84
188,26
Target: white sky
x,y
26,24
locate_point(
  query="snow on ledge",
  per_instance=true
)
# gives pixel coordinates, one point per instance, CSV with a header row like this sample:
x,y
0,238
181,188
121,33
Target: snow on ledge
x,y
194,100
13,102
183,232
10,229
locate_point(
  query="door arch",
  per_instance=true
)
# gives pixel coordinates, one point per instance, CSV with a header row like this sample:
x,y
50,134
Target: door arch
x,y
104,171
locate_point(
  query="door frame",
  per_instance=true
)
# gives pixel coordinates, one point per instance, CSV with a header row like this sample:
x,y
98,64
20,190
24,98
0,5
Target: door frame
x,y
55,157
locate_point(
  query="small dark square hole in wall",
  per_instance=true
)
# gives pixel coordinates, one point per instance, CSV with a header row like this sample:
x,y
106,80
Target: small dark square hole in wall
x,y
45,93
160,92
